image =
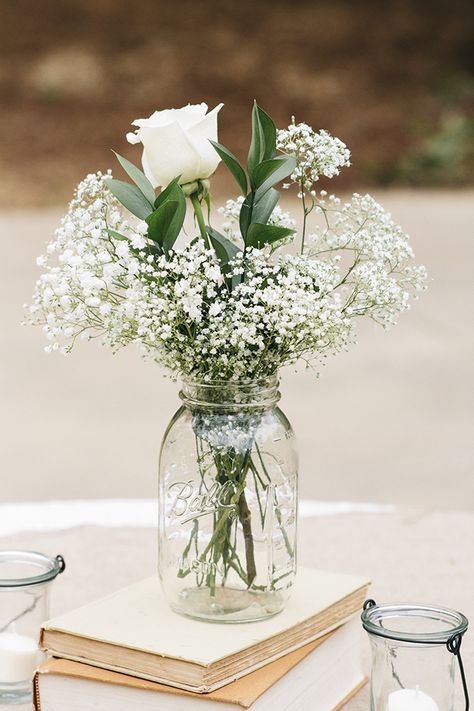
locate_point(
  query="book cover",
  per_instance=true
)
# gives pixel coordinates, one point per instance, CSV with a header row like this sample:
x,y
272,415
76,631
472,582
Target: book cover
x,y
331,664
135,632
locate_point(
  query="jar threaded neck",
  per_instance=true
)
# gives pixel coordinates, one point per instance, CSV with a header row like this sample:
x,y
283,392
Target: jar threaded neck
x,y
231,395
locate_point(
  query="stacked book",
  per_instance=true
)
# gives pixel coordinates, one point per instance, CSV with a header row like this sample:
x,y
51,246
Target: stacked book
x,y
128,651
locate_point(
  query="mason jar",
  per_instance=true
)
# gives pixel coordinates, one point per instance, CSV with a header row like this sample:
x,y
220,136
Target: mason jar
x,y
414,650
25,580
228,502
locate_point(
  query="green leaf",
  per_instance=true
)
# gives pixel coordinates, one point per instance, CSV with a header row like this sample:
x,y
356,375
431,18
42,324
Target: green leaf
x,y
139,178
165,194
223,247
116,235
264,207
253,210
270,172
131,197
225,251
245,215
178,220
159,230
259,235
160,222
263,144
269,132
232,164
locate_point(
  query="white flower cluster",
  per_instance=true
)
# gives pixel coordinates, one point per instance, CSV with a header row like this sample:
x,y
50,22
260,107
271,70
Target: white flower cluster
x,y
278,313
187,319
231,211
317,153
179,309
226,432
86,271
376,275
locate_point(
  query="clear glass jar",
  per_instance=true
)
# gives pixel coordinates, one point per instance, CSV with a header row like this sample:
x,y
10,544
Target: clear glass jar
x,y
228,502
412,668
25,578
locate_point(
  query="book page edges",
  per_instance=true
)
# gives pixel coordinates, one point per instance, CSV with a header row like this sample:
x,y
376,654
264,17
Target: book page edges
x,y
192,677
49,633
65,667
60,624
242,692
206,687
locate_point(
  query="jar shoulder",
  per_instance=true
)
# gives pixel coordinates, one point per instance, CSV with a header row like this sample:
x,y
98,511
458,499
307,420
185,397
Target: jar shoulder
x,y
185,418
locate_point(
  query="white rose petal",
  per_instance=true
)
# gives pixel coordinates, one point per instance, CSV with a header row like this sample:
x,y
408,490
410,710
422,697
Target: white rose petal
x,y
176,142
167,153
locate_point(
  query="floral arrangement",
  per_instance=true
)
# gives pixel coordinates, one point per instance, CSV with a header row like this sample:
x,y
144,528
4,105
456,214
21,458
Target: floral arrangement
x,y
224,306
240,299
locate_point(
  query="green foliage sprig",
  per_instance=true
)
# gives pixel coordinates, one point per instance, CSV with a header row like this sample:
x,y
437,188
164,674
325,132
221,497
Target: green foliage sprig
x,y
166,213
264,170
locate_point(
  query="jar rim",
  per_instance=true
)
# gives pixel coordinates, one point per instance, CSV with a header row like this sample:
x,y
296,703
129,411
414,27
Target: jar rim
x,y
51,567
265,380
455,622
231,395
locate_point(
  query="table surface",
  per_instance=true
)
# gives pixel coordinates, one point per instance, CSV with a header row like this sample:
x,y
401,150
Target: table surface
x,y
410,555
391,421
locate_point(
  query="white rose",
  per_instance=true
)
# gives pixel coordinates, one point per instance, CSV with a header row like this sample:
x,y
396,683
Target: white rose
x,y
176,142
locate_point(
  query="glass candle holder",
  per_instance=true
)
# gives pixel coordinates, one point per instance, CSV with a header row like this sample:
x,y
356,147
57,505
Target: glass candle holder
x,y
25,578
413,656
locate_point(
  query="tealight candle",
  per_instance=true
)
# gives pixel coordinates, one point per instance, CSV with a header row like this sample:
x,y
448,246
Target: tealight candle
x,y
25,578
411,700
18,657
414,649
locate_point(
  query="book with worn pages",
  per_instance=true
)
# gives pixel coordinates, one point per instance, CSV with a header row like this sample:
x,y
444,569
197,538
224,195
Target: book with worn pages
x,y
134,632
321,675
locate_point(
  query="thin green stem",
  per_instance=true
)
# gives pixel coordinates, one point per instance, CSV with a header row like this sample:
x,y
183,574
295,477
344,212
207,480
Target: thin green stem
x,y
288,545
305,216
252,200
200,218
306,212
232,518
245,518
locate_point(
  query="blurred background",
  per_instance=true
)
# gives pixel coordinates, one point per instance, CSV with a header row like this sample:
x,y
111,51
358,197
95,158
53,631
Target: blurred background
x,y
394,79
391,421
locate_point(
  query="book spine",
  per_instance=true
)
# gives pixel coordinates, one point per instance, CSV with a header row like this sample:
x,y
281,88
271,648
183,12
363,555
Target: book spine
x,y
36,694
351,694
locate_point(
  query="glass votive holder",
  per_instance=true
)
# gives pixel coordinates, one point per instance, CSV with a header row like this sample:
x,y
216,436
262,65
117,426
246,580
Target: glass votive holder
x,y
25,578
414,649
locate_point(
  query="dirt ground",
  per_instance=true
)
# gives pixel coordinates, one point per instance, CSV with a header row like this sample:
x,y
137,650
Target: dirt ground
x,y
391,421
394,80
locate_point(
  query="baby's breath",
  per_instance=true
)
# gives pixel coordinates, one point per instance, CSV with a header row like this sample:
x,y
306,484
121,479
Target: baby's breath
x,y
317,153
179,308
